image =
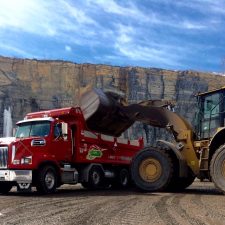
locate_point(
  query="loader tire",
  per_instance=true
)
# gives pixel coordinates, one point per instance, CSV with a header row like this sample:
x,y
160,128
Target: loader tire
x,y
217,168
178,184
151,169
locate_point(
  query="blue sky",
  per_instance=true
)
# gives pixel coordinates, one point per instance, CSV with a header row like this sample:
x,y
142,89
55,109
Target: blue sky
x,y
169,34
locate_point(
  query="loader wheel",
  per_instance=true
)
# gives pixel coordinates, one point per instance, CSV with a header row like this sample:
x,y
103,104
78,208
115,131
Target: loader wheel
x,y
151,169
47,180
217,168
180,183
5,187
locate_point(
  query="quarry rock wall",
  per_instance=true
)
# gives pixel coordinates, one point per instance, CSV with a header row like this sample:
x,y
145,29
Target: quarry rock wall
x,y
33,85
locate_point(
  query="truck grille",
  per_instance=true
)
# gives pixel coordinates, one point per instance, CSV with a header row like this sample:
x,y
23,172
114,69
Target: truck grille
x,y
38,142
3,157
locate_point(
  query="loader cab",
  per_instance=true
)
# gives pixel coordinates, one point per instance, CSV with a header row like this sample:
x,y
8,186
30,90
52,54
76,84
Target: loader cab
x,y
211,114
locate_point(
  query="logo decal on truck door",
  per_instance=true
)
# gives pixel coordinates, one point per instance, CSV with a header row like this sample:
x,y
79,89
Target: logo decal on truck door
x,y
94,152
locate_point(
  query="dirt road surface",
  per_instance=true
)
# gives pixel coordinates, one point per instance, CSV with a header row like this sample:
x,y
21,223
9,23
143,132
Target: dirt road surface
x,y
200,204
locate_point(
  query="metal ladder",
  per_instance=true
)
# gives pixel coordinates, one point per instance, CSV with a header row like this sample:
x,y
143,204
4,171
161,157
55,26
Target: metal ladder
x,y
204,163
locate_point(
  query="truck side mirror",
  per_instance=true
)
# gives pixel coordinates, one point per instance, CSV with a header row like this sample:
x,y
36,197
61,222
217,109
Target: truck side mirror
x,y
14,132
64,130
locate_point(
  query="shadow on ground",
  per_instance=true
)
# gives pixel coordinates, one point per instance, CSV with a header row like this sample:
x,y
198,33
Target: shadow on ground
x,y
67,191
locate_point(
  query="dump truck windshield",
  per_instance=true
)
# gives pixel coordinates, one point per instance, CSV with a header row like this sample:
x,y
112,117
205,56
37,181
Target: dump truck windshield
x,y
33,129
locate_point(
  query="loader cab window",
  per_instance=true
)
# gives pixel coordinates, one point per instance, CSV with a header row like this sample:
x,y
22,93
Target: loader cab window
x,y
210,115
211,106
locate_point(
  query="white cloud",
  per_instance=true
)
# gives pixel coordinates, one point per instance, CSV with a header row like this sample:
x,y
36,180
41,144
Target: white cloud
x,y
118,29
128,46
17,51
68,48
26,15
208,7
192,25
77,14
129,10
150,17
133,44
152,55
124,34
44,18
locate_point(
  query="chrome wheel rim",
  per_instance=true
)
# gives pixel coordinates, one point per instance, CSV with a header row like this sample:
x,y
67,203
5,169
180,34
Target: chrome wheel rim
x,y
96,177
49,180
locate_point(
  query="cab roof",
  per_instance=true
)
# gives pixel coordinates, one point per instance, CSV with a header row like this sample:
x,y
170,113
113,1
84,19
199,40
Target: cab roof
x,y
55,113
212,91
35,120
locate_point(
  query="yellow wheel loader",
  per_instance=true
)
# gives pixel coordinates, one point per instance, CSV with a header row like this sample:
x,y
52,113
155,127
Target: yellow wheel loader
x,y
200,153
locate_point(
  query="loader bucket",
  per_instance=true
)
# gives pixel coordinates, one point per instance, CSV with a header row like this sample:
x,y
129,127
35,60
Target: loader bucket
x,y
103,113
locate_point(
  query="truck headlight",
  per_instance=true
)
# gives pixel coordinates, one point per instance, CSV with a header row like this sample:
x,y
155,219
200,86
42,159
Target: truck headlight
x,y
26,160
16,162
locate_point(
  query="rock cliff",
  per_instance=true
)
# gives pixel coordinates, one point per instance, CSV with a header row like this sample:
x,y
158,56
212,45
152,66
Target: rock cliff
x,y
32,85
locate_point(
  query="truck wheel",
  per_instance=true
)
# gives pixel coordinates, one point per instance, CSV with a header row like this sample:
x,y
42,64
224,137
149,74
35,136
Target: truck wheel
x,y
47,180
217,168
122,180
85,185
5,187
151,169
95,178
180,183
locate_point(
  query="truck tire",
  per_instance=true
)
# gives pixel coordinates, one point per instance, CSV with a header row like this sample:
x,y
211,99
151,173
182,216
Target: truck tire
x,y
5,187
47,180
85,185
122,180
95,178
151,170
217,168
178,184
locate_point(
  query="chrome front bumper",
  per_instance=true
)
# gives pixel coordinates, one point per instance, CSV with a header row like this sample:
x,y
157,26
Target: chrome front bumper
x,y
19,176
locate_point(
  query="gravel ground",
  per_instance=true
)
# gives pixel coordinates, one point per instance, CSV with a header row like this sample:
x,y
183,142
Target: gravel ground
x,y
200,204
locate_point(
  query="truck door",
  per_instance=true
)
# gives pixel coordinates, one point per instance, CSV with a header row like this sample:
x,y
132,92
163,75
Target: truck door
x,y
61,145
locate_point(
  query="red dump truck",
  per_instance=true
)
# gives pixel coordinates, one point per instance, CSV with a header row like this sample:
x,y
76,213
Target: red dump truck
x,y
55,147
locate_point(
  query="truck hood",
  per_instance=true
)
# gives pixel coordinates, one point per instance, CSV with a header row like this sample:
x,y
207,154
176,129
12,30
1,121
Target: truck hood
x,y
7,140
